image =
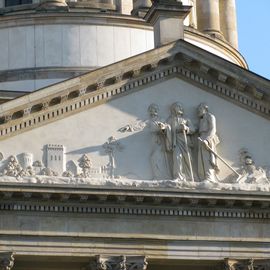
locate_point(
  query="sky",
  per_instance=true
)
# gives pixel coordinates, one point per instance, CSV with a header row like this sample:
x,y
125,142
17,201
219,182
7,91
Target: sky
x,y
253,18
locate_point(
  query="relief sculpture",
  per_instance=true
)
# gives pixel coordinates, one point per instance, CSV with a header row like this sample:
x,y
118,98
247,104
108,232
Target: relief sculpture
x,y
160,144
250,173
182,153
181,127
173,139
208,140
111,147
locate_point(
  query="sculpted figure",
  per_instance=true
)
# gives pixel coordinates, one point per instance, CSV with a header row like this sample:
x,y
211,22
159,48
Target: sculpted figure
x,y
180,128
251,174
110,147
208,140
158,156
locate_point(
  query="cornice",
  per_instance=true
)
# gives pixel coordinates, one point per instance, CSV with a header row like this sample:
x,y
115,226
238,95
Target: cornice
x,y
43,73
222,45
179,59
72,17
88,6
131,201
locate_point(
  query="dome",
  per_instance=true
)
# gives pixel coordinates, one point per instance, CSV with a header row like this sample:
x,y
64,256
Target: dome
x,y
43,42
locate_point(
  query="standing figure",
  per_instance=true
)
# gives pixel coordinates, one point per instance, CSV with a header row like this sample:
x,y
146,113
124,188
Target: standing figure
x,y
208,140
111,146
158,156
180,143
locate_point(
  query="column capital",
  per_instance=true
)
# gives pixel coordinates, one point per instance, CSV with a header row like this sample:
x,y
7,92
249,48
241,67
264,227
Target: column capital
x,y
118,263
6,260
248,264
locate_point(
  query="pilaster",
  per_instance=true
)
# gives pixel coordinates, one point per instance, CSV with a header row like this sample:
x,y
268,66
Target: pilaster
x,y
167,19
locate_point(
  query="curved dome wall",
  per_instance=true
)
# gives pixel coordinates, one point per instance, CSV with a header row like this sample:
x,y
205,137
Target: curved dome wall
x,y
70,45
42,53
40,48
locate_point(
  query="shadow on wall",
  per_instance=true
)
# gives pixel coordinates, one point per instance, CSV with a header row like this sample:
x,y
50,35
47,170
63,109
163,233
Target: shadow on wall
x,y
123,155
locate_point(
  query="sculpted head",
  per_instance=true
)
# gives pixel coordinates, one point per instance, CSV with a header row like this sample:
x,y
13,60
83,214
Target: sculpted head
x,y
153,110
245,157
202,109
177,109
249,160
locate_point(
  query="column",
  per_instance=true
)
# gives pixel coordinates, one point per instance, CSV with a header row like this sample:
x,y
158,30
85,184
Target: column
x,y
2,3
208,17
6,261
191,19
193,14
124,6
142,3
229,21
140,7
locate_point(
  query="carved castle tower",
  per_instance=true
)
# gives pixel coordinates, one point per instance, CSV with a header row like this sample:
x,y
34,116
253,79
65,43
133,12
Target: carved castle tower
x,y
132,137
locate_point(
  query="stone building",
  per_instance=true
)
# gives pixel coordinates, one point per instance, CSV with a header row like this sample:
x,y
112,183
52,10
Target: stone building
x,y
147,133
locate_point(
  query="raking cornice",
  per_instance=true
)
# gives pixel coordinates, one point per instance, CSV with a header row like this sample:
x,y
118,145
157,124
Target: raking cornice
x,y
178,59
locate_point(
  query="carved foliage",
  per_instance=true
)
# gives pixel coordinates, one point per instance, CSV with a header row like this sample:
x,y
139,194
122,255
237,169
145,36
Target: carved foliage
x,y
85,163
118,263
249,264
48,172
13,168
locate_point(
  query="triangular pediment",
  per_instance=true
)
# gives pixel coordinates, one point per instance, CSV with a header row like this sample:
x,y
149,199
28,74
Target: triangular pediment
x,y
88,117
178,59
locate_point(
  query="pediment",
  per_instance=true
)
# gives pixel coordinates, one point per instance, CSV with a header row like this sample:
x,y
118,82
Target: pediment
x,y
179,59
94,129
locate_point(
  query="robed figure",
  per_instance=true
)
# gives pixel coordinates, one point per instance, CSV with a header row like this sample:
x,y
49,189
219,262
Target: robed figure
x,y
208,140
159,155
181,165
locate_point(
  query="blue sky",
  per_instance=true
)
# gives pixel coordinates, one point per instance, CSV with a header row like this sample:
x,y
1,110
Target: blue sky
x,y
254,34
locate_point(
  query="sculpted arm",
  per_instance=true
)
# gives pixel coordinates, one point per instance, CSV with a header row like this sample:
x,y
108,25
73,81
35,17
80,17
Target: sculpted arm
x,y
190,127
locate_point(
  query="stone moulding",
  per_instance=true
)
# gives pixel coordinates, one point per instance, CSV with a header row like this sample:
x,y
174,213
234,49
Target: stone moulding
x,y
170,64
243,205
70,17
219,44
134,211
